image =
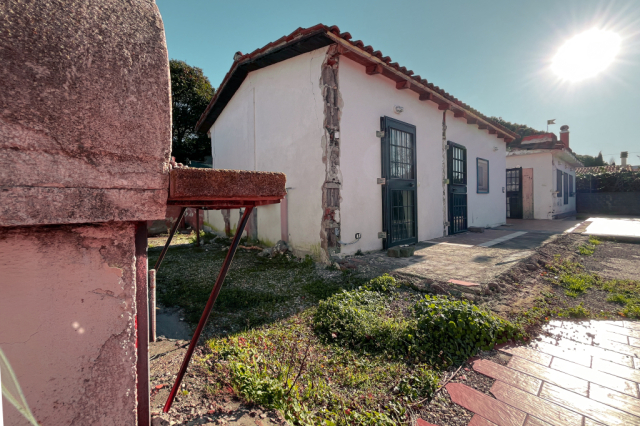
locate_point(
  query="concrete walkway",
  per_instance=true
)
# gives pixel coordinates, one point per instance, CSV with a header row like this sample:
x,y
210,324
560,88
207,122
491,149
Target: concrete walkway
x,y
627,229
577,373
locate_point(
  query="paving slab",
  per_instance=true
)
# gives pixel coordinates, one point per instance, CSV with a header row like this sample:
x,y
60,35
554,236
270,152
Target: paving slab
x,y
535,406
489,408
621,229
544,226
562,377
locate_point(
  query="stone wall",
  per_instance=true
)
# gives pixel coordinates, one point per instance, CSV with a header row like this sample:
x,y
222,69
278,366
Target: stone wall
x,y
617,203
85,112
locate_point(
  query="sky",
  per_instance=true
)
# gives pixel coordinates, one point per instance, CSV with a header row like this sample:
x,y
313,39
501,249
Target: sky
x,y
493,55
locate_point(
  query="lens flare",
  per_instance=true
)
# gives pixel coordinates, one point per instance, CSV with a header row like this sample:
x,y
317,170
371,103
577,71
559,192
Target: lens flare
x,y
586,55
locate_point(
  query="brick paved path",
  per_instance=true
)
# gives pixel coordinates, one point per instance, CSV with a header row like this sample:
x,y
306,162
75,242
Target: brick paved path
x,y
583,374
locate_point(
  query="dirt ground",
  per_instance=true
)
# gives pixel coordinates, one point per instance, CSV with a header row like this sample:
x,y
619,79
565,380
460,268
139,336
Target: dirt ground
x,y
512,290
195,403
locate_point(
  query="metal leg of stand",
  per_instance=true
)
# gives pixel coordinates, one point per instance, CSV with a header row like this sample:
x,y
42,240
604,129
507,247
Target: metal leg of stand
x,y
173,231
208,307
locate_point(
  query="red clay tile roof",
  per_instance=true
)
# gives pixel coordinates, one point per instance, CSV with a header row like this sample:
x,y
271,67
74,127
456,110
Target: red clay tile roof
x,y
601,169
544,141
305,40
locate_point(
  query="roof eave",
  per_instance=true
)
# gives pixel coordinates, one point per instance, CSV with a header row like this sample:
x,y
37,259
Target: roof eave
x,y
241,68
417,86
321,36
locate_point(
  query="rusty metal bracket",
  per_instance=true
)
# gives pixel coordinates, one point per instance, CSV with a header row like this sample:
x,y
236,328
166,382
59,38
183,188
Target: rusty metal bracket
x,y
209,306
174,228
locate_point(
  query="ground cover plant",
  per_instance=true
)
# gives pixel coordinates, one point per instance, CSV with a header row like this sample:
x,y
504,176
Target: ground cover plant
x,y
576,281
320,345
357,357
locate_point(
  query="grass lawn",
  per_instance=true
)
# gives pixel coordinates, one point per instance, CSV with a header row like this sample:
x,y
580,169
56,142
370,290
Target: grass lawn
x,y
323,346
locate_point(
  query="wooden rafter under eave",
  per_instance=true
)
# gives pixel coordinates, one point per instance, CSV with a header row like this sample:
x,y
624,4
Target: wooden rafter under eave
x,y
374,69
374,65
402,85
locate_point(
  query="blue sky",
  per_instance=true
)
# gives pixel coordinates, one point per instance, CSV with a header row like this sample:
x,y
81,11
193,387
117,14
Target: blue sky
x,y
493,55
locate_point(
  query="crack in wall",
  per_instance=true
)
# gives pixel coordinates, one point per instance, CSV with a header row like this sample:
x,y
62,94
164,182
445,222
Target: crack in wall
x,y
444,174
330,226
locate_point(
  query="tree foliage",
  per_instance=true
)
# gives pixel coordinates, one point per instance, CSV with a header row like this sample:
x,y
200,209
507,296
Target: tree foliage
x,y
591,161
191,92
521,129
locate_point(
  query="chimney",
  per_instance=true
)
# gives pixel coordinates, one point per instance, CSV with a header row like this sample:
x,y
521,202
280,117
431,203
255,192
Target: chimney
x,y
623,158
564,135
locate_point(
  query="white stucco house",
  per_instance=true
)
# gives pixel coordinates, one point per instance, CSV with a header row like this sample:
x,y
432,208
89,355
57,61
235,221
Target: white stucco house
x,y
375,156
541,177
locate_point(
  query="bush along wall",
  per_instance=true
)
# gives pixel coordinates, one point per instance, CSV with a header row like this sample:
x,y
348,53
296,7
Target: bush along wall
x,y
622,181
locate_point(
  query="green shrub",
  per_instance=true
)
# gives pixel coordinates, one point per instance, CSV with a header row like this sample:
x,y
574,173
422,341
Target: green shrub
x,y
423,381
259,387
632,310
451,330
360,318
383,284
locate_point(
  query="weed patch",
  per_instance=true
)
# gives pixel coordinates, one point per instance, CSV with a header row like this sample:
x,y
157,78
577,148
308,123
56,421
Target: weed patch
x,y
625,293
576,312
572,277
287,367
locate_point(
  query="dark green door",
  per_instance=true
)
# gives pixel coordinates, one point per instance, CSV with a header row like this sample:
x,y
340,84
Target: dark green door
x,y
399,195
457,188
514,193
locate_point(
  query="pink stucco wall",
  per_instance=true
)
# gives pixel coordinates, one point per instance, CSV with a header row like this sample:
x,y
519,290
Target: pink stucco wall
x,y
85,139
85,112
68,322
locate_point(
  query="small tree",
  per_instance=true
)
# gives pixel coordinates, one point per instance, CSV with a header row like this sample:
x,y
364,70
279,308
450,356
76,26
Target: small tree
x,y
599,160
521,129
587,160
191,92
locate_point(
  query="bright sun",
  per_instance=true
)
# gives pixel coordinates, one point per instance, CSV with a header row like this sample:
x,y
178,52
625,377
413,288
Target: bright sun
x,y
586,55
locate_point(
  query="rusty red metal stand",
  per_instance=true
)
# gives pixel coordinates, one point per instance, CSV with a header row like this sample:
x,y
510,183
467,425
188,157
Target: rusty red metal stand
x,y
174,228
210,302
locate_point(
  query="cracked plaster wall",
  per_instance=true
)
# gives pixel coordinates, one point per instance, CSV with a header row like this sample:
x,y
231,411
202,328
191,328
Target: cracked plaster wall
x,y
67,322
85,112
275,122
329,84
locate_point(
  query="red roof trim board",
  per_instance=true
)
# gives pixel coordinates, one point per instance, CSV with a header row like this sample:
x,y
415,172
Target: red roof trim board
x,y
304,40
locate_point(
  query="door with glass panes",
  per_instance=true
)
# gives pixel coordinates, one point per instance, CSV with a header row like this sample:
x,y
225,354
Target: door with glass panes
x,y
457,188
399,193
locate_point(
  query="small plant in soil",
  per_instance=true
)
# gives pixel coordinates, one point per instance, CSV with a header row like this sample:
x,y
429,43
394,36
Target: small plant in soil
x,y
360,357
625,293
576,312
572,277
